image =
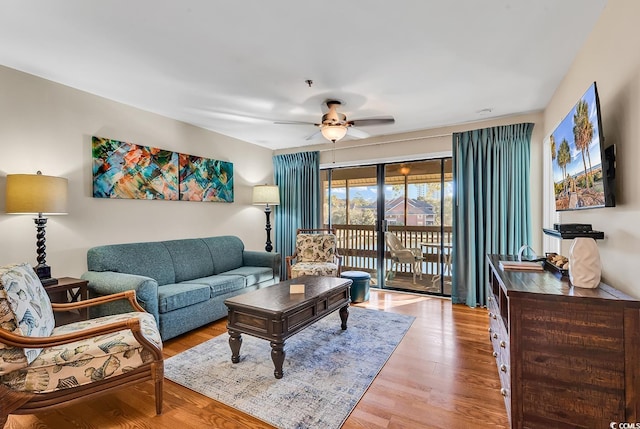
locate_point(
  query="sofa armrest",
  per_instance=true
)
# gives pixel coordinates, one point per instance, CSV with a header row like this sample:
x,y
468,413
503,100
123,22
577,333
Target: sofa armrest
x,y
109,282
253,258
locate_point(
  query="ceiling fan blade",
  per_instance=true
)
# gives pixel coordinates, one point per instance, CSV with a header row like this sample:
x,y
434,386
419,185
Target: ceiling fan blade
x,y
295,123
383,120
314,135
357,133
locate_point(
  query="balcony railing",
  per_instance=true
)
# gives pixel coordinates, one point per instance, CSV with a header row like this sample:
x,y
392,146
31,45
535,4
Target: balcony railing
x,y
358,246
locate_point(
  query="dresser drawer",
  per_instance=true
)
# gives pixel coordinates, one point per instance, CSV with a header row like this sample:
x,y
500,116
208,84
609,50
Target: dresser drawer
x,y
505,391
498,334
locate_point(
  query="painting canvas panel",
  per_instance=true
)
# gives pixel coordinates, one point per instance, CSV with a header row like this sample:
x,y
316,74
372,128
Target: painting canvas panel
x,y
127,170
203,179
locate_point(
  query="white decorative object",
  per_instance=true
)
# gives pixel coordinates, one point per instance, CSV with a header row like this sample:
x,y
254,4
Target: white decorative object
x,y
584,263
523,249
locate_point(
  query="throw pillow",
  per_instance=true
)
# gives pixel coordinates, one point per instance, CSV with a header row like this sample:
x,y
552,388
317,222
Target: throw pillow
x,y
316,247
27,299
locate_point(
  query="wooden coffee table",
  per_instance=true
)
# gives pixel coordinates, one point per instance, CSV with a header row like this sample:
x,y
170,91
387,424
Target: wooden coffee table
x,y
275,314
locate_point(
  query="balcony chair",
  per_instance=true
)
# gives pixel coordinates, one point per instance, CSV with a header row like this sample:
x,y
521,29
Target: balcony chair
x,y
403,255
43,366
316,253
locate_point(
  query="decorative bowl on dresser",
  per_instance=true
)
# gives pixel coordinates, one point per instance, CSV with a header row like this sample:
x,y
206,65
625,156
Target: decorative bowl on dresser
x,y
566,356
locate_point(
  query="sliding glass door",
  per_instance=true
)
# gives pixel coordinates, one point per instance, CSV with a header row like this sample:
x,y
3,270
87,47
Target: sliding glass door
x,y
394,221
350,198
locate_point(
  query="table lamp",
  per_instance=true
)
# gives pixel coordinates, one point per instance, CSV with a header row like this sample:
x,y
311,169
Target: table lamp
x,y
37,194
268,195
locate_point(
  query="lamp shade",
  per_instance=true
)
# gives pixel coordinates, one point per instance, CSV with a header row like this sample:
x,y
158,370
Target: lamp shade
x,y
333,132
36,193
266,194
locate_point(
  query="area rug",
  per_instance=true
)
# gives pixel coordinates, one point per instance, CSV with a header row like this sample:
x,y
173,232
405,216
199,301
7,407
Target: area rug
x,y
326,370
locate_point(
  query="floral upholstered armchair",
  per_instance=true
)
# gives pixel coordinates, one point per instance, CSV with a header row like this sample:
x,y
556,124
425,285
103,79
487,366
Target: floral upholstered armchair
x,y
316,254
42,366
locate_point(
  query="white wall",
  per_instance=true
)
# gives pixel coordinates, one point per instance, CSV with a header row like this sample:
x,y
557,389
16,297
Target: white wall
x,y
46,126
611,58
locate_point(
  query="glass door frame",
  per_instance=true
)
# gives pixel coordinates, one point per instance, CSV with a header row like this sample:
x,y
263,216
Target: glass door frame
x,y
381,223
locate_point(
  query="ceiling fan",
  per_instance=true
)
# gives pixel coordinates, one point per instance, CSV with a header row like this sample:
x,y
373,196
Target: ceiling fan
x,y
335,126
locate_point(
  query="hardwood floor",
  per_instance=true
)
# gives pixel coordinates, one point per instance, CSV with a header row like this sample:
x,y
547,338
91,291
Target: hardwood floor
x,y
442,375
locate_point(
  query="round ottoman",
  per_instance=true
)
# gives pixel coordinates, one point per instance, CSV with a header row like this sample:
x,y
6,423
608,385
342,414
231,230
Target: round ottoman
x,y
360,286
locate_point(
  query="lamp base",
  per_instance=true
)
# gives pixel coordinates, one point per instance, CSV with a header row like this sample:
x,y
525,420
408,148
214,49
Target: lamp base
x,y
44,274
267,211
49,282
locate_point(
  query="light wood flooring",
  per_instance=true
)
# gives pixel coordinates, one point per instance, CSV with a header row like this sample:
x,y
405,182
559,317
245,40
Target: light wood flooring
x,y
404,282
442,375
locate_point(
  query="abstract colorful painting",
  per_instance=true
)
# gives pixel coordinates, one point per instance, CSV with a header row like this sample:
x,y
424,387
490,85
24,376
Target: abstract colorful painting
x,y
127,170
203,179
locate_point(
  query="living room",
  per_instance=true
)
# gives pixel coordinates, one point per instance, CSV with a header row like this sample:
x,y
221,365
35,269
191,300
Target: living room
x,y
48,126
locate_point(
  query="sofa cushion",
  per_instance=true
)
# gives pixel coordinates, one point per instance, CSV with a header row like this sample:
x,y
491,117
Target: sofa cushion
x,y
174,296
226,252
219,285
150,259
191,259
252,275
25,310
314,269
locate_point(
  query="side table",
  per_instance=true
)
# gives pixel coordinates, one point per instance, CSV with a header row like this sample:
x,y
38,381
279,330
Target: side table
x,y
67,290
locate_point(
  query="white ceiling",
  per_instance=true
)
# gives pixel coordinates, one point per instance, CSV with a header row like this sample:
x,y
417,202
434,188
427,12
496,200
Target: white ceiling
x,y
235,67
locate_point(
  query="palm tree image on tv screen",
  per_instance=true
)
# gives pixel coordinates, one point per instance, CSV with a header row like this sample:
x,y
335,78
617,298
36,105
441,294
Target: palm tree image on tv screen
x,y
576,153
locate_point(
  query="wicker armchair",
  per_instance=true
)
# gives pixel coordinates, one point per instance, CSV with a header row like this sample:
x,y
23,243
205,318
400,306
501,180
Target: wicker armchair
x,y
403,255
43,366
316,254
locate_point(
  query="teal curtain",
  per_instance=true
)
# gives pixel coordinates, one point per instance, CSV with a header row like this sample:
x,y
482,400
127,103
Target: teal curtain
x,y
492,207
298,177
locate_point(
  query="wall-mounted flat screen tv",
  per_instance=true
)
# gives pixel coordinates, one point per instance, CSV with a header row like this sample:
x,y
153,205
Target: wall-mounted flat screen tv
x,y
583,170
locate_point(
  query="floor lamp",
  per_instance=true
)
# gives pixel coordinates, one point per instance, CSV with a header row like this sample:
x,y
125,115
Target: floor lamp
x,y
37,194
268,195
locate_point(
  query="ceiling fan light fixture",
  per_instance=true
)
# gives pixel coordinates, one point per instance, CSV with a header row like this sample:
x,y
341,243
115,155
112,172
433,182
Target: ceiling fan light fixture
x,y
333,133
404,169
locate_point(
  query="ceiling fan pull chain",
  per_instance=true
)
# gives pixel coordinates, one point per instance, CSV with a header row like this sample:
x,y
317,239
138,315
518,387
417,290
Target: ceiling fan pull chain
x,y
334,151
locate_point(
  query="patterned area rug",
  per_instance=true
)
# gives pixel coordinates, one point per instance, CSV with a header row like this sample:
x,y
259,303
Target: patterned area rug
x,y
326,370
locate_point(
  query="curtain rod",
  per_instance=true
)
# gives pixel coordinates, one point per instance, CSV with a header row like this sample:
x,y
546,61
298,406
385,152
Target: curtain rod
x,y
335,147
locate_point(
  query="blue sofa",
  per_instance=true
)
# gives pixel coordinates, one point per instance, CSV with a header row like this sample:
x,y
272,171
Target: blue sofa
x,y
182,283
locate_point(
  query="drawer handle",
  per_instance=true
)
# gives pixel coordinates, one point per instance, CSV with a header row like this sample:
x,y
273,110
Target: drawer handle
x,y
495,336
494,316
503,368
495,354
503,344
503,392
490,330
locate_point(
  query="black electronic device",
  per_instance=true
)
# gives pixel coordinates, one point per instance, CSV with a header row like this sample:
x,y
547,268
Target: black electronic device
x,y
572,227
596,235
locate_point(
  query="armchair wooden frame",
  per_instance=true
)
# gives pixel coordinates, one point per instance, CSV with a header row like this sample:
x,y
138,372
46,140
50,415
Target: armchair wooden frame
x,y
13,402
289,259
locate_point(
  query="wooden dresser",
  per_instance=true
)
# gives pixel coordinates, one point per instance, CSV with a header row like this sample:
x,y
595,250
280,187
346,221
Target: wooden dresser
x,y
567,357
